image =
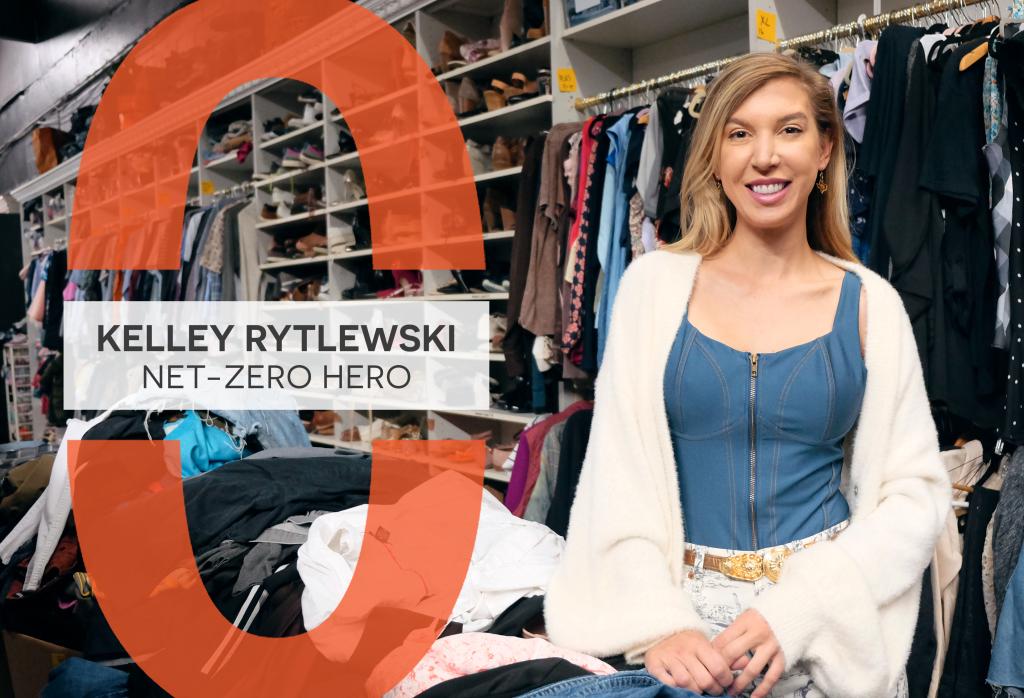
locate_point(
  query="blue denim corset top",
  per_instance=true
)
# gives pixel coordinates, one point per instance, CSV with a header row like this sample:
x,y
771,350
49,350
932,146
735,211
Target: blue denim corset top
x,y
758,438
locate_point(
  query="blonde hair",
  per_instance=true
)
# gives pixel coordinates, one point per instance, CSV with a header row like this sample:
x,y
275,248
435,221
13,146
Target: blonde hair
x,y
708,217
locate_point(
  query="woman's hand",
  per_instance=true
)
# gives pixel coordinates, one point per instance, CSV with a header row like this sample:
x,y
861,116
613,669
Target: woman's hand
x,y
750,632
689,661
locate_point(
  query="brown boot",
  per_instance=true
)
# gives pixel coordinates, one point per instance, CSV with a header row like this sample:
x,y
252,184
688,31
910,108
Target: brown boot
x,y
501,153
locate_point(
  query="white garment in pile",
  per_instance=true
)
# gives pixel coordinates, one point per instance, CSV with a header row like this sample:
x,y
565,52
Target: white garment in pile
x,y
512,558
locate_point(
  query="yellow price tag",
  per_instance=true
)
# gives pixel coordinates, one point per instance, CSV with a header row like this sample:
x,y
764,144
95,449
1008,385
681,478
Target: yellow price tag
x,y
766,26
206,187
566,80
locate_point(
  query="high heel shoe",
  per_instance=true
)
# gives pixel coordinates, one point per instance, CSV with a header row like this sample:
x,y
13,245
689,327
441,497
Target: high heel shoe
x,y
457,285
469,98
351,188
535,18
510,27
523,89
495,97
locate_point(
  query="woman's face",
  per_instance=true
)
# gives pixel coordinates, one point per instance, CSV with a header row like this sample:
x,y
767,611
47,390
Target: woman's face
x,y
770,155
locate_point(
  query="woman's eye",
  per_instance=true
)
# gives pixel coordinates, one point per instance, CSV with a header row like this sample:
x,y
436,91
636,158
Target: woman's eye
x,y
792,130
736,135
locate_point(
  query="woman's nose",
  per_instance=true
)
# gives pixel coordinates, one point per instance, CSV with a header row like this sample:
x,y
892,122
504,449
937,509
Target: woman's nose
x,y
765,155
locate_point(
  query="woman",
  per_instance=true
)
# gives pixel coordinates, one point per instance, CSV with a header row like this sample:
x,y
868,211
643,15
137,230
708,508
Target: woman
x,y
762,490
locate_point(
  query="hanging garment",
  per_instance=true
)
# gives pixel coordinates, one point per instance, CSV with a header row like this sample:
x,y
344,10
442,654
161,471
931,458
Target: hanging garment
x,y
855,111
583,261
970,643
882,128
524,478
544,489
912,222
517,341
1008,526
540,306
575,438
961,374
1011,59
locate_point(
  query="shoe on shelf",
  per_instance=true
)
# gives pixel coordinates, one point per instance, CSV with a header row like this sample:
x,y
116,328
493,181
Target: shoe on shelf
x,y
479,157
508,152
501,153
448,51
474,51
510,26
535,18
456,285
322,422
272,128
524,89
282,196
307,243
311,154
293,159
498,327
352,187
309,199
359,290
340,238
491,210
470,99
495,97
275,168
269,212
496,286
451,91
346,143
311,97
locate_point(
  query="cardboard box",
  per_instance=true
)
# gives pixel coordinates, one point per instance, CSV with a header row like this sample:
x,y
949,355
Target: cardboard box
x,y
30,661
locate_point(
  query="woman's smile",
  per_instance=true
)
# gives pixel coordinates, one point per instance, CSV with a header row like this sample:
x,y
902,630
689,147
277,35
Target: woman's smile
x,y
768,192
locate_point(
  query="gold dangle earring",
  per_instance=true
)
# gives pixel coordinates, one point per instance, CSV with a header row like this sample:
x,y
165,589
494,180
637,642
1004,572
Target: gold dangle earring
x,y
718,183
822,184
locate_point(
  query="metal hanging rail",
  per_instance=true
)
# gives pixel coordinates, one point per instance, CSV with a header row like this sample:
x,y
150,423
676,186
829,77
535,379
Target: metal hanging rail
x,y
862,27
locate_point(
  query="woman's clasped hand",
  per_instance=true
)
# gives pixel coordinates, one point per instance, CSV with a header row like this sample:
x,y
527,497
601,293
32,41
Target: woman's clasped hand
x,y
748,646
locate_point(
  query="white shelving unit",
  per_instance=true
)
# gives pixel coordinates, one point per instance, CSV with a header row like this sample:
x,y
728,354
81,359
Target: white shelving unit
x,y
18,371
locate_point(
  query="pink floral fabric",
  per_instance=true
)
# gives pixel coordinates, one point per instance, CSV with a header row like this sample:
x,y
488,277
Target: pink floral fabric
x,y
470,653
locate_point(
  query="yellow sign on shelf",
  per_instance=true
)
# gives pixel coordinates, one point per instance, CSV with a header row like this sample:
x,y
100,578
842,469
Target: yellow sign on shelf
x,y
566,80
206,187
766,26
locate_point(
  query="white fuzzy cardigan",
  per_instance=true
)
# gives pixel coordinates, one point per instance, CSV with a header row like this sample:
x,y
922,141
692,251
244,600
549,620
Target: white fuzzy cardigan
x,y
845,608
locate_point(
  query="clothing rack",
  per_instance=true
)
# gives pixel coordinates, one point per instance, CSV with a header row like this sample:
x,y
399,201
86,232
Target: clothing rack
x,y
58,245
243,189
864,26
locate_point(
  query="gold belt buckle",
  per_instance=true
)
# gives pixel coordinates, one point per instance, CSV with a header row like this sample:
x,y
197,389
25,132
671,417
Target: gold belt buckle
x,y
773,562
747,567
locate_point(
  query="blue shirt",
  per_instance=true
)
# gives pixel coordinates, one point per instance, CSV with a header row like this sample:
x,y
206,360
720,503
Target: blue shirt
x,y
758,438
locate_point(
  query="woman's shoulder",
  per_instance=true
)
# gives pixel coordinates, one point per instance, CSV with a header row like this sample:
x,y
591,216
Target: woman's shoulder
x,y
661,266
